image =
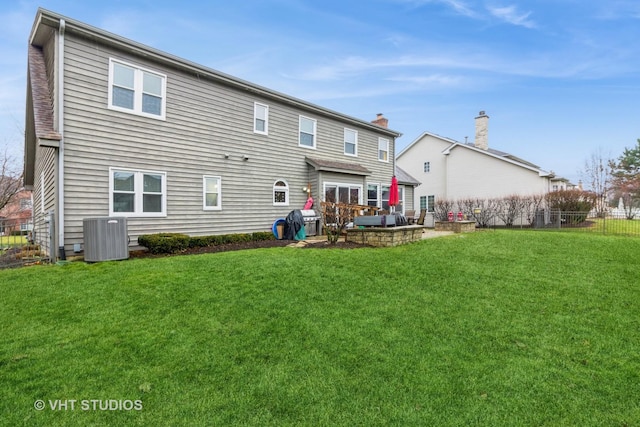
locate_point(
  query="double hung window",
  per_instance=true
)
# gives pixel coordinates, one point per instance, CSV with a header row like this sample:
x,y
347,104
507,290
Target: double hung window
x,y
307,132
350,142
136,90
137,193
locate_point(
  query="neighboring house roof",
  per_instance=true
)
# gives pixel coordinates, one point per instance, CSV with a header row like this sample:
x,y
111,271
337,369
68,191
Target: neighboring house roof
x,y
340,167
501,155
404,178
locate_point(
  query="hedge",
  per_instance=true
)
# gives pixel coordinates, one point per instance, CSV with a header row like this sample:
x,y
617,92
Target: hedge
x,y
170,243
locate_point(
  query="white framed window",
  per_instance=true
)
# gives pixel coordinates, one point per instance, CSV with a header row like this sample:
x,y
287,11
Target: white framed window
x,y
135,193
373,191
307,132
343,193
428,203
350,142
211,193
261,118
280,193
136,90
427,167
383,149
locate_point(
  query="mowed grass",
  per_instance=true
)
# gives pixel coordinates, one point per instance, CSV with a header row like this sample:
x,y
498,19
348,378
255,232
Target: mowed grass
x,y
6,241
493,328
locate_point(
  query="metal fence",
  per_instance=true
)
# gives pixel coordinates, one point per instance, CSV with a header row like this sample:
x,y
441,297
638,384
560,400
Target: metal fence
x,y
26,240
588,222
611,223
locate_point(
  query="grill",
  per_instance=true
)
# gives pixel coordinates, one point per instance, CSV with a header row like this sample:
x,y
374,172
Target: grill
x,y
311,222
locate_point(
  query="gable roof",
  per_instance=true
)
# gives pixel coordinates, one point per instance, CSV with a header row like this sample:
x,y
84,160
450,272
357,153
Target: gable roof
x,y
39,124
500,155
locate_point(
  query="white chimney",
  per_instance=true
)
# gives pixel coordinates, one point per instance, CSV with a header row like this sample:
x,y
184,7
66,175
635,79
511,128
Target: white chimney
x,y
482,131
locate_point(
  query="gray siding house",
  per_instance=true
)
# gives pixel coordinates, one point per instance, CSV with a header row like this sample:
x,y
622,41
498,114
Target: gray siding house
x,y
116,128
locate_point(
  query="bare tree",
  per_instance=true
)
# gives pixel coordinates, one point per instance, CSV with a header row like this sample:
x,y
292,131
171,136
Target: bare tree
x,y
509,208
531,205
597,175
10,179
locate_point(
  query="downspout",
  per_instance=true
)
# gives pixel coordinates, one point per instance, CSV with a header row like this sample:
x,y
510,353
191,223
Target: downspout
x,y
60,108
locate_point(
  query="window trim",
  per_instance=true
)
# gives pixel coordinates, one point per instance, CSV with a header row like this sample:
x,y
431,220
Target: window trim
x,y
339,185
284,189
138,192
218,207
266,118
378,193
385,140
315,132
355,142
138,81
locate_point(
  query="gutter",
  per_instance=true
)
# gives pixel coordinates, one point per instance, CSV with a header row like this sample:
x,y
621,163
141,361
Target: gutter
x,y
60,109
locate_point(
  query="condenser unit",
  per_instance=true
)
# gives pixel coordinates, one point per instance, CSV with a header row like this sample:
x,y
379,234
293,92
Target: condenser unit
x,y
105,239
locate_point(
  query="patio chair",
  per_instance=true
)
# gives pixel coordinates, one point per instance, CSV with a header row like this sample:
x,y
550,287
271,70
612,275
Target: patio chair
x,y
423,213
410,215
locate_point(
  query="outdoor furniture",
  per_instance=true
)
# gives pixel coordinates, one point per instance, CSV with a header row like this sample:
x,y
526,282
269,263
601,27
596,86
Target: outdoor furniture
x,y
411,216
423,213
375,221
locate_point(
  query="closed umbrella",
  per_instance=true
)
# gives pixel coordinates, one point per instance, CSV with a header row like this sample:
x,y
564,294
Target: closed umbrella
x,y
393,192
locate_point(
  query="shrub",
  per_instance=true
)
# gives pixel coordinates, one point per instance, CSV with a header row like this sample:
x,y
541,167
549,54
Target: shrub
x,y
263,235
169,243
164,243
572,201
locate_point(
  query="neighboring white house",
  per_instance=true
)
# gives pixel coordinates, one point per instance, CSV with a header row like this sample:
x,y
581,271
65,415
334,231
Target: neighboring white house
x,y
452,170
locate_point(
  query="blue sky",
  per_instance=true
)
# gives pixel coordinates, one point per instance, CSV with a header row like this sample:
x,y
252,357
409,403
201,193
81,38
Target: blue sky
x,y
560,79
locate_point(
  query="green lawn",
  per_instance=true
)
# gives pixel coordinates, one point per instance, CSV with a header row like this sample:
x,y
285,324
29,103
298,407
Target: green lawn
x,y
495,328
6,241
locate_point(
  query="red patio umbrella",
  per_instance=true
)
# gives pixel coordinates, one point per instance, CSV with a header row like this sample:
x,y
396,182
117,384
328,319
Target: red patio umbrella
x,y
393,192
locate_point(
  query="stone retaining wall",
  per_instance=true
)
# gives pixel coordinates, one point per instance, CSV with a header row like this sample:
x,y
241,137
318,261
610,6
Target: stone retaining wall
x,y
389,236
456,226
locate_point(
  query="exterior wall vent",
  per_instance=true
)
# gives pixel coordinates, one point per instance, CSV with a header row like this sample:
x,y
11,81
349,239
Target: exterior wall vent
x,y
105,239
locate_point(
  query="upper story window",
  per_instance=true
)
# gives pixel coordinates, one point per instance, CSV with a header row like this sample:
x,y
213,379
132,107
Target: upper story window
x,y
137,193
383,149
281,193
307,132
211,193
260,118
350,142
136,90
427,167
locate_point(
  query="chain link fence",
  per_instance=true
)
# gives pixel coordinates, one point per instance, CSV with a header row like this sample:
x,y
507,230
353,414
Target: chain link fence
x,y
26,240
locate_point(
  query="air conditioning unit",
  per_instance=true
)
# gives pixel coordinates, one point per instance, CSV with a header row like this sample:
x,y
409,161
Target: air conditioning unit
x,y
105,239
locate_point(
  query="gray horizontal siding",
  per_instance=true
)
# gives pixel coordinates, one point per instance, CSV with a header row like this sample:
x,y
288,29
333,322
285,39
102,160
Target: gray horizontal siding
x,y
204,120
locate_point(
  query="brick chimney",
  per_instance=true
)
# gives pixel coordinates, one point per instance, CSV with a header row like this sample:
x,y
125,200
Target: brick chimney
x,y
482,131
380,121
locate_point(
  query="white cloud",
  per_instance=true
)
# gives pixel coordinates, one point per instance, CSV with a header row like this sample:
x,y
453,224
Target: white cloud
x,y
511,15
458,6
